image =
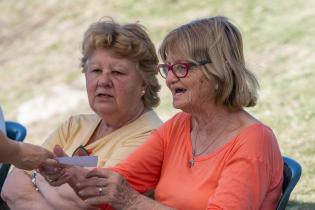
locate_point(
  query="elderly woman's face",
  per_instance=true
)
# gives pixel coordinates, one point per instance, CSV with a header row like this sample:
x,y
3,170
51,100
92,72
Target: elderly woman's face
x,y
114,86
191,92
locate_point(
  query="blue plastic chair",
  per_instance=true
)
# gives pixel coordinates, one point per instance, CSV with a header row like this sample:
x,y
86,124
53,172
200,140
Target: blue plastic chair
x,y
291,175
17,132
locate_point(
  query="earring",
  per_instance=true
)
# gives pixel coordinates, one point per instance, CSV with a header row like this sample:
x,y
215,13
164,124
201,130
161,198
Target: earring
x,y
143,92
216,87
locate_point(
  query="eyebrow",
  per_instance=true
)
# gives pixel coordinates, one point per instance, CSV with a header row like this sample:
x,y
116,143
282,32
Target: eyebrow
x,y
89,62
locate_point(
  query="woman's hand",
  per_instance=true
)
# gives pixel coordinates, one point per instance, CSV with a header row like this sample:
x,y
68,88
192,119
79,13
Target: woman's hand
x,y
104,186
57,174
29,156
53,172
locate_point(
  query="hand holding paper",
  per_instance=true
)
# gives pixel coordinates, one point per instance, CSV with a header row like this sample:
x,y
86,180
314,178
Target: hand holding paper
x,y
83,161
56,172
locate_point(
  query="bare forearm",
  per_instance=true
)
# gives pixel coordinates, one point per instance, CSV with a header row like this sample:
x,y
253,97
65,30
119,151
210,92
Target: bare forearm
x,y
132,200
7,148
143,202
29,204
62,197
22,155
19,193
113,189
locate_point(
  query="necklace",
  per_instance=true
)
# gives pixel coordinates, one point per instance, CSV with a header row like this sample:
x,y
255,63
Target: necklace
x,y
194,153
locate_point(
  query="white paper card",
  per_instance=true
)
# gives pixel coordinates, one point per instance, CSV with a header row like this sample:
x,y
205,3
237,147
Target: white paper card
x,y
84,161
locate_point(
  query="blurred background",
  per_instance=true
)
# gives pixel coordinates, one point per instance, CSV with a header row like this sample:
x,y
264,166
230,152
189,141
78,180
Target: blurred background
x,y
41,84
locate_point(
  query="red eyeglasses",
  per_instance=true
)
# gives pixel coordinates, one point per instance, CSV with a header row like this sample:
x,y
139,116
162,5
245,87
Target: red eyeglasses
x,y
179,69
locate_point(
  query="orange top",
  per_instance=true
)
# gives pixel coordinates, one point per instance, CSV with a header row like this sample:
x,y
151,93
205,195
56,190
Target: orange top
x,y
245,173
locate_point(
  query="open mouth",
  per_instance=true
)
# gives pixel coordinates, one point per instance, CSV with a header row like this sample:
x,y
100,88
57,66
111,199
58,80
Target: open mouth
x,y
179,91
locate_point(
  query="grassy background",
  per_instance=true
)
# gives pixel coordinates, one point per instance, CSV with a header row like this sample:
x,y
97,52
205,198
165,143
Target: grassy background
x,y
40,49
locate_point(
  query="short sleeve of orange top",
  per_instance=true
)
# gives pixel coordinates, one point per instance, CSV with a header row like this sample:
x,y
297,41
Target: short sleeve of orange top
x,y
245,173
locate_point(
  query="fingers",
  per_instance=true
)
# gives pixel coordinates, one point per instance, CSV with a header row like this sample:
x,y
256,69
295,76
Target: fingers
x,y
59,152
50,163
55,176
91,192
91,182
94,195
47,154
61,180
99,172
52,172
30,156
49,166
52,175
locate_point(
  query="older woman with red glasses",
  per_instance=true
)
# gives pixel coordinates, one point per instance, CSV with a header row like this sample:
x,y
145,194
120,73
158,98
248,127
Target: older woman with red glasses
x,y
213,154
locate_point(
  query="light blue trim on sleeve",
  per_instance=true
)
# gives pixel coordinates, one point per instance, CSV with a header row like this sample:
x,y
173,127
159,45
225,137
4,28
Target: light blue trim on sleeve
x,y
2,122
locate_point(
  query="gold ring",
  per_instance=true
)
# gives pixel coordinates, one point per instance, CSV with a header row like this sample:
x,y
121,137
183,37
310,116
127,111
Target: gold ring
x,y
100,191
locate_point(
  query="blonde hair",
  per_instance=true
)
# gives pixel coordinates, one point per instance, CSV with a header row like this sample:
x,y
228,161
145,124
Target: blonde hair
x,y
125,41
219,41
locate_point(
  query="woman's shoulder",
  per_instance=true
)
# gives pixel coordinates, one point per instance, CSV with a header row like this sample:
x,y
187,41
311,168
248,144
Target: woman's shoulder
x,y
257,131
256,140
253,131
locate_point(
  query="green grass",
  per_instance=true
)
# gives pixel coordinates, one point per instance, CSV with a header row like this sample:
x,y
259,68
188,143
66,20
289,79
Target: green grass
x,y
40,45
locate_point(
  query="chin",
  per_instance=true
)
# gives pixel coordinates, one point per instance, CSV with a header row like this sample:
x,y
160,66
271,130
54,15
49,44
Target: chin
x,y
178,106
104,109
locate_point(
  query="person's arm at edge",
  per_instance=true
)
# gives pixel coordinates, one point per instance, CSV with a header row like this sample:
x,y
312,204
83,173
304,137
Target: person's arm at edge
x,y
14,191
22,155
7,148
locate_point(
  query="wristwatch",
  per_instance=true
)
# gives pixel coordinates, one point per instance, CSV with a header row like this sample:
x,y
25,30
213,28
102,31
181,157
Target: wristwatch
x,y
34,174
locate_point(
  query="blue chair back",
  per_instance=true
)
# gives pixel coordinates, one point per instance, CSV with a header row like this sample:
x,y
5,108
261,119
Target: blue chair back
x,y
17,132
291,174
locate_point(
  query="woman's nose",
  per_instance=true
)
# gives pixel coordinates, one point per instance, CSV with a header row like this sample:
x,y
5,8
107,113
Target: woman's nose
x,y
105,80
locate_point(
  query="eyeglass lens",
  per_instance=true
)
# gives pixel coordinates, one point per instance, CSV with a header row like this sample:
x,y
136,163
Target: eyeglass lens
x,y
180,70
